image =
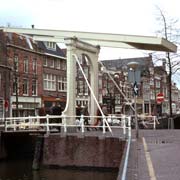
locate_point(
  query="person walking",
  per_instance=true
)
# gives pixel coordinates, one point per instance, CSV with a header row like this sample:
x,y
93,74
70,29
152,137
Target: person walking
x,y
56,110
99,120
78,115
42,112
86,118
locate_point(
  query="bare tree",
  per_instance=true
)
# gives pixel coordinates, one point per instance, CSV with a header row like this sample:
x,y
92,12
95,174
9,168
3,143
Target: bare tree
x,y
171,33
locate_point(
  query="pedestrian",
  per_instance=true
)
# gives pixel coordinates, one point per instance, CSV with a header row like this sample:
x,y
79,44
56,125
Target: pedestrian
x,y
42,112
56,110
86,117
98,118
78,112
78,115
105,110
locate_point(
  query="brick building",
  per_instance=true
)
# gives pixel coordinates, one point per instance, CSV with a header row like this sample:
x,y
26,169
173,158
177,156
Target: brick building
x,y
32,74
5,73
152,81
54,83
125,78
24,57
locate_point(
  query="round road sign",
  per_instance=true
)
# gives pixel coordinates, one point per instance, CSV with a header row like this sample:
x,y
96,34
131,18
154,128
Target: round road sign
x,y
160,98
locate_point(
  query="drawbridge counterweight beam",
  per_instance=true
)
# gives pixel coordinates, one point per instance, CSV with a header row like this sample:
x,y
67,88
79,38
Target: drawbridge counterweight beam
x,y
102,39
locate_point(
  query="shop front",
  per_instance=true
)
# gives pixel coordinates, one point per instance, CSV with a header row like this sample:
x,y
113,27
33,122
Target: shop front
x,y
25,106
47,102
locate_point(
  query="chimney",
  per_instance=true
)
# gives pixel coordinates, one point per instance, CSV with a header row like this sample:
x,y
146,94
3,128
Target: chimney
x,y
164,64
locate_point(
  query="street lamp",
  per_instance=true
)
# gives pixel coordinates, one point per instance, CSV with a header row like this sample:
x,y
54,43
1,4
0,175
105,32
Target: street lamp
x,y
133,66
16,84
116,79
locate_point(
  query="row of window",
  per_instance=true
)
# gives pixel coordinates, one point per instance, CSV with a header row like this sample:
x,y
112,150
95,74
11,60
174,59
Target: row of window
x,y
54,63
50,45
26,64
81,85
49,83
25,86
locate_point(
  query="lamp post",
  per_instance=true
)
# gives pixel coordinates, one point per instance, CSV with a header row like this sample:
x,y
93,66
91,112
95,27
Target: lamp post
x,y
16,84
133,66
116,79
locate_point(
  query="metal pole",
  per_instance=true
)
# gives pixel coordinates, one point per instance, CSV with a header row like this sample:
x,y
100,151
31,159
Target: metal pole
x,y
133,66
135,107
16,87
136,119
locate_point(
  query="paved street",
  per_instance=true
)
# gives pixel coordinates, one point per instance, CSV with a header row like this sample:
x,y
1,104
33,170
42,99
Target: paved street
x,y
155,156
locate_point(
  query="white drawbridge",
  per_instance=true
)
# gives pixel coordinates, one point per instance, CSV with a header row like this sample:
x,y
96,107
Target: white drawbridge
x,y
76,47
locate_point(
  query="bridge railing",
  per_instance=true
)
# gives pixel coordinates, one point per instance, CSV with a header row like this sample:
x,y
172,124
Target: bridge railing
x,y
148,121
50,123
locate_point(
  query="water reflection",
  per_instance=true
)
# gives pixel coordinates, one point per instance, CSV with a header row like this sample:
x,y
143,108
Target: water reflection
x,y
21,170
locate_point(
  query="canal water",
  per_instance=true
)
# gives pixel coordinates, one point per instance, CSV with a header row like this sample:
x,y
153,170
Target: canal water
x,y
21,170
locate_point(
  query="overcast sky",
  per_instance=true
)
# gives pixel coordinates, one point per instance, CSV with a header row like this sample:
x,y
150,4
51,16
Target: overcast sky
x,y
137,17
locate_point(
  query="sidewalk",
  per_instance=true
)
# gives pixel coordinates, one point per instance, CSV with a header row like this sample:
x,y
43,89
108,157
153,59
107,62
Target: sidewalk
x,y
163,148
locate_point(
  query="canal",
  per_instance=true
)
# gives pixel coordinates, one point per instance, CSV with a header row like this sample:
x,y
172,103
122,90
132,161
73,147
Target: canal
x,y
20,153
21,169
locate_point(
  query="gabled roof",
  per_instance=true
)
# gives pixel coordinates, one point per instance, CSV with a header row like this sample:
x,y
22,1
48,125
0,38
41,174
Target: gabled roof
x,y
120,64
58,52
19,40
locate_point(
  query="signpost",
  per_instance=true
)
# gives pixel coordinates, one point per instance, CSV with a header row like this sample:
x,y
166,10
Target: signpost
x,y
135,88
160,98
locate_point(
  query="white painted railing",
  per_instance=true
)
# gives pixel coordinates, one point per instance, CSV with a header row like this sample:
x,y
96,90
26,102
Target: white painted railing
x,y
48,123
147,120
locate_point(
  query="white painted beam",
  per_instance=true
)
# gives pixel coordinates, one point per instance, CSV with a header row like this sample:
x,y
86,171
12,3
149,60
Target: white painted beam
x,y
102,39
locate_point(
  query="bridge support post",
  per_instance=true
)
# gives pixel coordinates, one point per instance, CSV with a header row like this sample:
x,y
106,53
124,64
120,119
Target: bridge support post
x,y
38,153
79,48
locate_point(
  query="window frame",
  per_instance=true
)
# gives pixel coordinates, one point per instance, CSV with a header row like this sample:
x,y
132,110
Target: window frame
x,y
25,65
25,87
62,84
34,88
49,82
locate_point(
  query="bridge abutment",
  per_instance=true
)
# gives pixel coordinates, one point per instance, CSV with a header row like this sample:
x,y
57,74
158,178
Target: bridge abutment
x,y
82,151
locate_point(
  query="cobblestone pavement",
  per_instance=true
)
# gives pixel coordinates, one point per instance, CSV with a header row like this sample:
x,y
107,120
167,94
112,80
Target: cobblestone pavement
x,y
163,148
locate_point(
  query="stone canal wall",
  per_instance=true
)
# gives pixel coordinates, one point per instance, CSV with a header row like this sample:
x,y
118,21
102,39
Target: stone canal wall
x,y
17,144
74,151
3,153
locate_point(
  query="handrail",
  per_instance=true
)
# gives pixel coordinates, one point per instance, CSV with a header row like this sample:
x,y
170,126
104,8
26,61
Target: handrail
x,y
149,119
35,122
124,172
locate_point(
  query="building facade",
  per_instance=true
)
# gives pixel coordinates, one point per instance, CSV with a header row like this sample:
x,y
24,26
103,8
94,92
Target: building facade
x,y
33,74
24,57
152,81
54,83
5,73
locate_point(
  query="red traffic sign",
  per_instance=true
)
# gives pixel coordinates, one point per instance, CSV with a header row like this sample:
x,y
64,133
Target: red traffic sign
x,y
160,98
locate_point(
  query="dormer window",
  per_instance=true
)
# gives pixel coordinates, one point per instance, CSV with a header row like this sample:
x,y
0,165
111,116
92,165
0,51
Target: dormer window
x,y
51,45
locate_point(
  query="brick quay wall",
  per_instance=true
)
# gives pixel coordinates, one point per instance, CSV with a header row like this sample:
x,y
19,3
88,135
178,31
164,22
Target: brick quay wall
x,y
85,151
3,153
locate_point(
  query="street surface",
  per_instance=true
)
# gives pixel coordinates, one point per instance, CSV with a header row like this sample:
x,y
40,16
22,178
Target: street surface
x,y
155,155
